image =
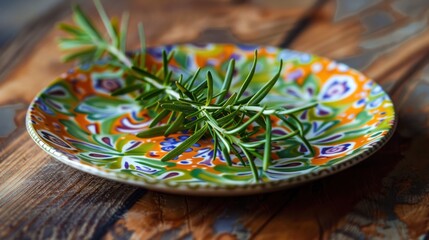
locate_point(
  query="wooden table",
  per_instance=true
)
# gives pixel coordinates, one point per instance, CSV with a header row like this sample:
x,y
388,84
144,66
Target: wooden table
x,y
386,196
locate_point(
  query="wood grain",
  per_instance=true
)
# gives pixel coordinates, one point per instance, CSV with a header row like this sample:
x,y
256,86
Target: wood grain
x,y
383,197
16,50
403,191
41,198
329,207
345,39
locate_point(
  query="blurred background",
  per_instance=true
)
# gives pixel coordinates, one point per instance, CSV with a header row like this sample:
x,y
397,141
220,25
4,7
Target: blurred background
x,y
351,31
18,14
14,15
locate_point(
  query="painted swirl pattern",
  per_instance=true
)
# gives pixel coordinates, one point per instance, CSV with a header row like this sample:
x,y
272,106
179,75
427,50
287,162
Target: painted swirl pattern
x,y
76,117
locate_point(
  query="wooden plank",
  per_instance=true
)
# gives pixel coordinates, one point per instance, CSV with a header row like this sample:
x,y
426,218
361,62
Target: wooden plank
x,y
384,196
15,51
176,217
381,197
399,208
198,218
319,209
376,53
302,24
42,198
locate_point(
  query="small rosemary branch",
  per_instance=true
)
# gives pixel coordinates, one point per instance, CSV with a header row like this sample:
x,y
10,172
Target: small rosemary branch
x,y
231,119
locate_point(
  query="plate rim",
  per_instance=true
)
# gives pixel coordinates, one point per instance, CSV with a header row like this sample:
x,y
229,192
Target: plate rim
x,y
210,189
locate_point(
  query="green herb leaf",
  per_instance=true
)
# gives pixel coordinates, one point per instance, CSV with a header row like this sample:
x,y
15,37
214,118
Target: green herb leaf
x,y
73,30
165,66
83,55
184,90
249,76
123,31
125,90
142,45
145,73
261,94
185,144
164,113
83,21
152,132
209,88
251,163
176,125
267,147
178,107
225,153
194,77
227,81
245,124
149,94
193,123
297,109
107,24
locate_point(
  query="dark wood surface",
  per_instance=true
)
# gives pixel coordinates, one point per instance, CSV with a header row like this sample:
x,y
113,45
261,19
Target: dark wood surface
x,y
384,197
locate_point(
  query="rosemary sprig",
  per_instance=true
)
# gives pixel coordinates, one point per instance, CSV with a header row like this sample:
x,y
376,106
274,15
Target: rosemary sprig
x,y
187,104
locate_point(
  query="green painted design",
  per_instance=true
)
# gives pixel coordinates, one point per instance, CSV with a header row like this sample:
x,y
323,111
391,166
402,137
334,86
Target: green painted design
x,y
85,127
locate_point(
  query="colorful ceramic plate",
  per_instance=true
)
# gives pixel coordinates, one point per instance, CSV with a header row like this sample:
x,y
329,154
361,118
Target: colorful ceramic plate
x,y
77,121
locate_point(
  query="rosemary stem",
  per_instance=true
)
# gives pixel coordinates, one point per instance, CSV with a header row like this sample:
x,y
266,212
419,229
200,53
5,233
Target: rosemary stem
x,y
263,109
120,55
212,122
201,107
126,61
173,93
247,108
